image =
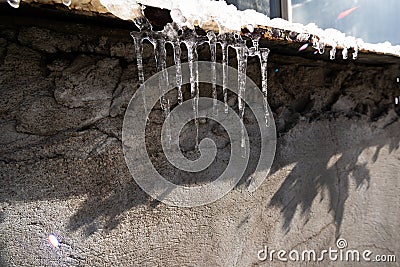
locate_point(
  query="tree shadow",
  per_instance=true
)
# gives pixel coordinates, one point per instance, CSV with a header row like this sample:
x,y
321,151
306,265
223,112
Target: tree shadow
x,y
326,158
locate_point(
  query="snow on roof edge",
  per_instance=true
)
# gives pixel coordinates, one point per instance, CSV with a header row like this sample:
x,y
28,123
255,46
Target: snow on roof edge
x,y
228,18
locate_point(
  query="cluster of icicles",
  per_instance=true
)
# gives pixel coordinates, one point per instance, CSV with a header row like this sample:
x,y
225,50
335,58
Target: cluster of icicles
x,y
170,34
15,3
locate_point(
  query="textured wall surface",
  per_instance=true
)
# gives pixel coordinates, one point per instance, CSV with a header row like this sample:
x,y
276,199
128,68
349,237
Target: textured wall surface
x,y
64,90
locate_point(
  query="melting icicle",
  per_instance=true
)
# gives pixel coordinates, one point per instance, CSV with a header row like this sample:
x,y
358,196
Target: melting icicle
x,y
345,53
332,53
396,99
264,52
355,53
13,3
177,61
167,125
213,48
139,59
225,55
242,54
143,24
194,90
160,57
67,2
320,47
255,41
171,34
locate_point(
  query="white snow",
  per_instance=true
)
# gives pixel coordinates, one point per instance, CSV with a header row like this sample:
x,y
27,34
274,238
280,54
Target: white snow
x,y
196,12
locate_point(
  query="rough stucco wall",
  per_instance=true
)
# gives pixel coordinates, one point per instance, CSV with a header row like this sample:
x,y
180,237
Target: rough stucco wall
x,y
64,89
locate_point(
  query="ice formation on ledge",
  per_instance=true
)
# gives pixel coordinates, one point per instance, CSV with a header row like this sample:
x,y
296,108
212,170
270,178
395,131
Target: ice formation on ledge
x,y
175,35
188,13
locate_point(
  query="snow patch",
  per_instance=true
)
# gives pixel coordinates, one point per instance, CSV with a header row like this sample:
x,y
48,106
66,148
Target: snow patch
x,y
188,13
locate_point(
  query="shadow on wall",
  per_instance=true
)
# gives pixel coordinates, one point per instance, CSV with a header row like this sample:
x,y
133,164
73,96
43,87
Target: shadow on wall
x,y
326,156
43,158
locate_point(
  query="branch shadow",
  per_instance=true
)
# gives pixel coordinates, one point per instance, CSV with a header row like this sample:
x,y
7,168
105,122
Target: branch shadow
x,y
325,161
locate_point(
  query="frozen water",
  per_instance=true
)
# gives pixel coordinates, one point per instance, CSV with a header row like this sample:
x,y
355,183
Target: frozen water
x,y
345,53
332,53
212,39
225,57
192,41
191,46
139,59
242,53
177,61
263,55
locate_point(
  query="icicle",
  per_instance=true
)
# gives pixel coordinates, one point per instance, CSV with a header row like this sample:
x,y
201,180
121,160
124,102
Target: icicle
x,y
396,99
345,53
160,57
171,34
213,48
242,54
194,73
320,47
143,24
167,125
67,2
255,41
13,3
264,52
332,53
139,59
225,55
177,61
355,53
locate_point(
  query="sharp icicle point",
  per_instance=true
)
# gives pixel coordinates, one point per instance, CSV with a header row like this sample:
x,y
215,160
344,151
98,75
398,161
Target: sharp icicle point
x,y
160,57
242,54
213,49
225,55
139,60
193,72
264,52
177,61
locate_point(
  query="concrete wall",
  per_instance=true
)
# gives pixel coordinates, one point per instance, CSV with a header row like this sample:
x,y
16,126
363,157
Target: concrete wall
x,y
64,90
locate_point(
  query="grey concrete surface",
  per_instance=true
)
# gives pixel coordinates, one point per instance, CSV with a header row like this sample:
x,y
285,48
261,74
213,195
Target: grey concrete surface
x,y
64,89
